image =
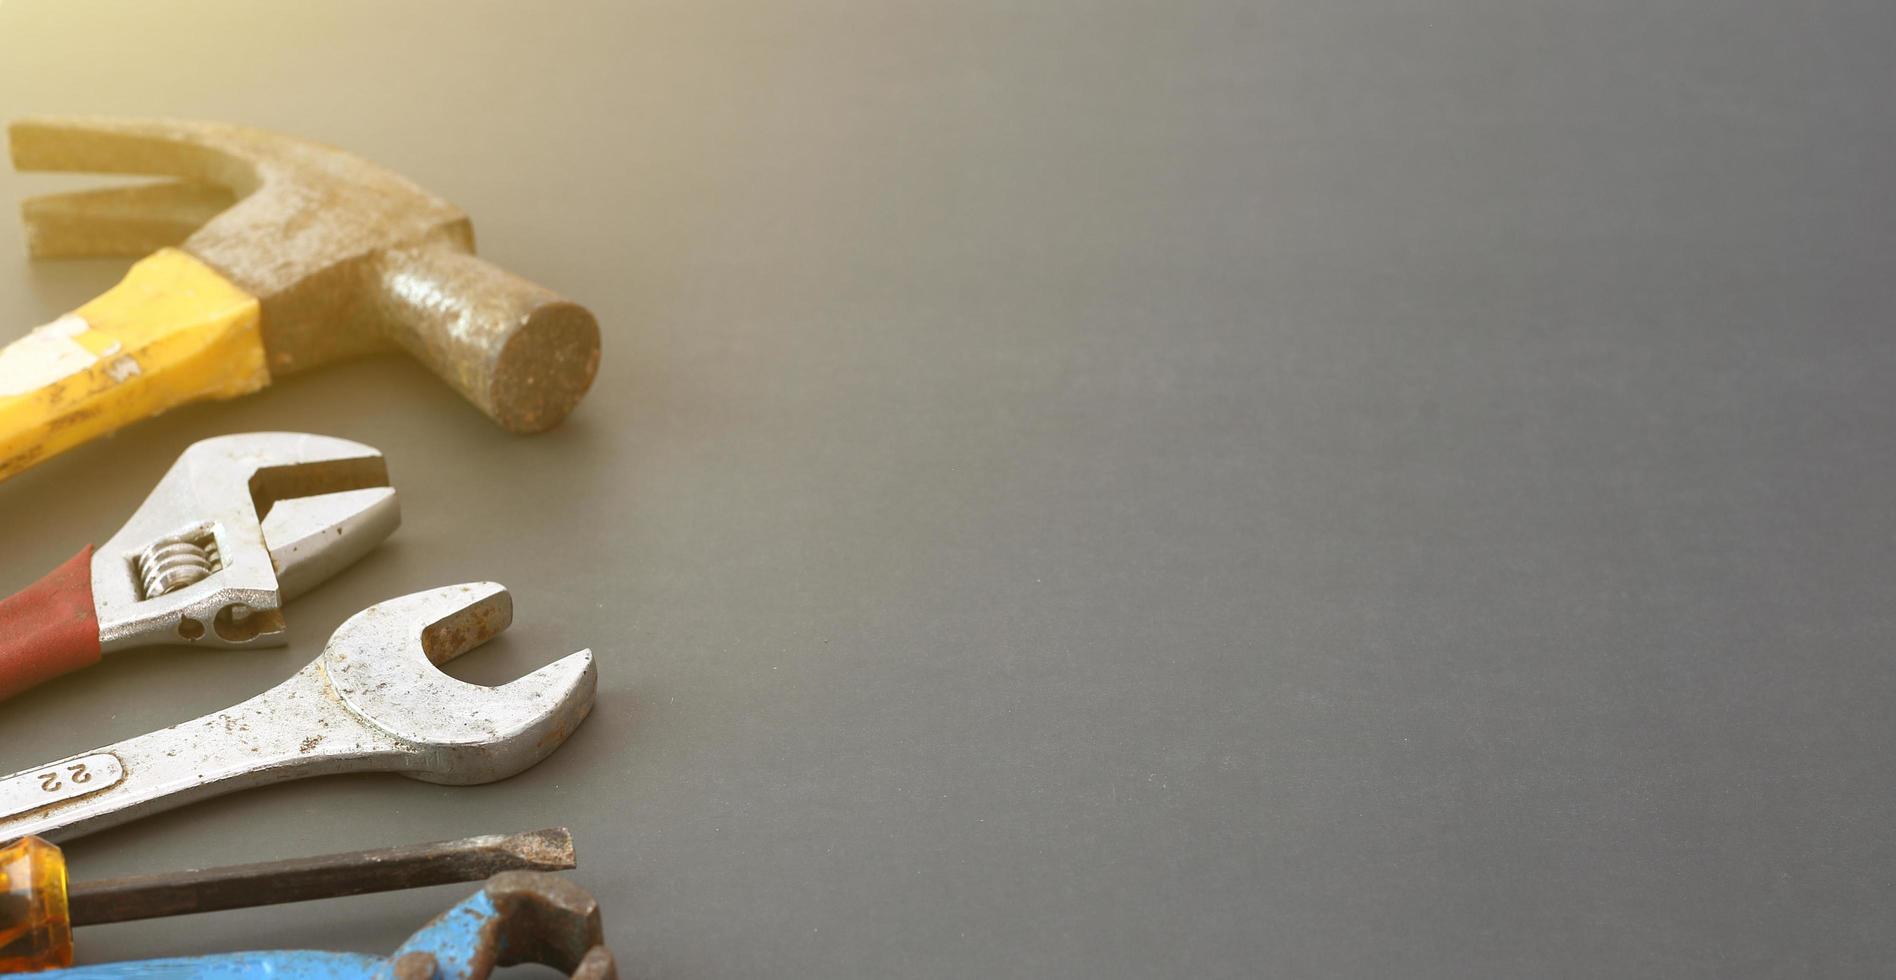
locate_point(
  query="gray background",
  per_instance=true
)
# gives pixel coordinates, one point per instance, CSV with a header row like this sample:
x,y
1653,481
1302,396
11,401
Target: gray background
x,y
1078,489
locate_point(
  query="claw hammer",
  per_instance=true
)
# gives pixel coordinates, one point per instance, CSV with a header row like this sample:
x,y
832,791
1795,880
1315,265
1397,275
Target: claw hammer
x,y
272,255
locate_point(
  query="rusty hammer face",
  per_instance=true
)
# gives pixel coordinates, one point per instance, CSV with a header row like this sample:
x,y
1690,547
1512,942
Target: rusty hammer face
x,y
342,257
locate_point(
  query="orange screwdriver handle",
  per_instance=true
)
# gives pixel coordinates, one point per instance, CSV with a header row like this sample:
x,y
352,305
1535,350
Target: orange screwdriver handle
x,y
49,628
35,926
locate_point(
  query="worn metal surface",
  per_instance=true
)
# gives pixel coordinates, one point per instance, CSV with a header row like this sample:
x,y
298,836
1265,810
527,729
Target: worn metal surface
x,y
518,917
327,876
346,257
69,780
374,701
283,511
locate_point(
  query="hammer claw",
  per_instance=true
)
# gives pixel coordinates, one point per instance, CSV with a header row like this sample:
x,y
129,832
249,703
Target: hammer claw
x,y
119,221
171,148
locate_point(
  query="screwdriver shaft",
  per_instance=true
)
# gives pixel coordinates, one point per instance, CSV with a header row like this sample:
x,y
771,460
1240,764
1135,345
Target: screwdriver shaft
x,y
329,876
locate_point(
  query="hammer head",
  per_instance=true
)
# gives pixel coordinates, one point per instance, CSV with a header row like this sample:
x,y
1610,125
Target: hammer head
x,y
345,257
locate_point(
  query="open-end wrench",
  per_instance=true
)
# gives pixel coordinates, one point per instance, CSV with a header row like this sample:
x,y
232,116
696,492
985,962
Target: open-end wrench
x,y
237,526
519,917
374,701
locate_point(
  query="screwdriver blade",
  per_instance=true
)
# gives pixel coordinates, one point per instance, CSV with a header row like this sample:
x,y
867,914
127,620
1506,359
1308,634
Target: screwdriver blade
x,y
327,876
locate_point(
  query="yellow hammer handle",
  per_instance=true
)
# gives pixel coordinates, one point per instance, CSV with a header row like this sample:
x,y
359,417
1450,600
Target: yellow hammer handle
x,y
172,331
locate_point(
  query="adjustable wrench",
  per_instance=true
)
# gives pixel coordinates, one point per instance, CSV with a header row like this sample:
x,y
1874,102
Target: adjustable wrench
x,y
374,701
236,527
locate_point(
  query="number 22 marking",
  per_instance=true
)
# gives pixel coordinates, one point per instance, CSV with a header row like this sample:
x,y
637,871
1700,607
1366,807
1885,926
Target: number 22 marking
x,y
49,781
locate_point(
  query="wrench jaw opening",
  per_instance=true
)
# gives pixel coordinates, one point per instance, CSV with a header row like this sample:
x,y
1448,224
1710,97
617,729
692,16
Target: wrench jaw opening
x,y
548,920
312,538
237,526
548,705
519,917
384,665
374,701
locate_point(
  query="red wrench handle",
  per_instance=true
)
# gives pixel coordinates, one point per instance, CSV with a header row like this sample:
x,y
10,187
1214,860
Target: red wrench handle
x,y
49,628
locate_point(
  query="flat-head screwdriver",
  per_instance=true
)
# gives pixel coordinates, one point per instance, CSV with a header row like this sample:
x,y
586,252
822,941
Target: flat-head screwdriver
x,y
38,909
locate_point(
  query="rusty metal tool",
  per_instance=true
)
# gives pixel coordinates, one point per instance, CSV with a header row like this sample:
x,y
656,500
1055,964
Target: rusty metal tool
x,y
269,255
238,526
517,917
39,909
374,701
